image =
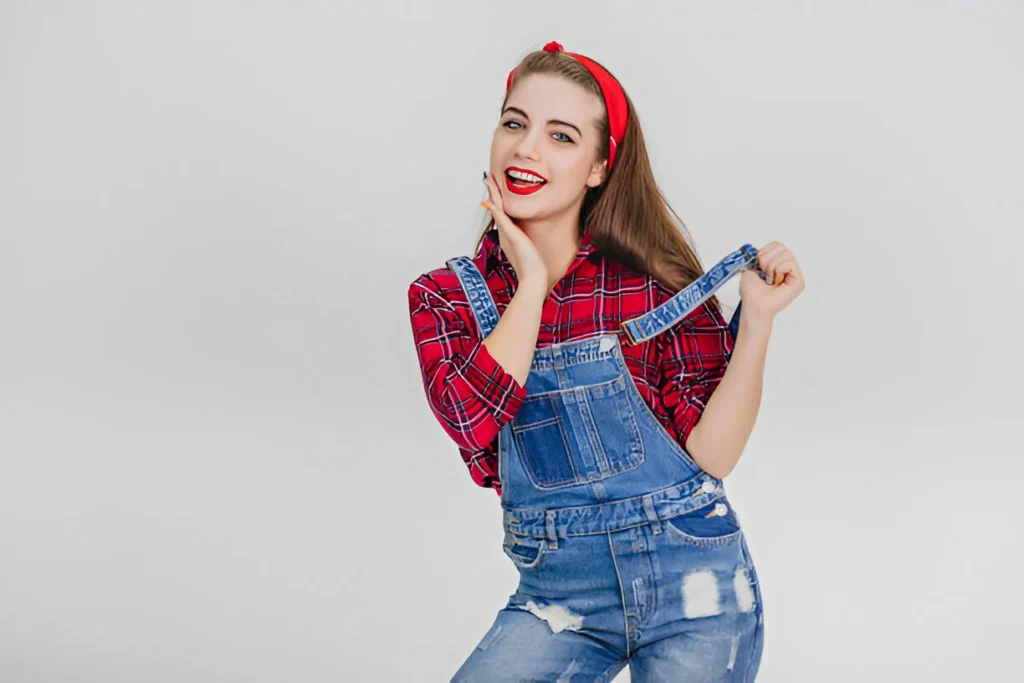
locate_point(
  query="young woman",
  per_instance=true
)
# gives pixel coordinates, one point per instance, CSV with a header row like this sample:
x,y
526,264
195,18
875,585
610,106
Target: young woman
x,y
583,366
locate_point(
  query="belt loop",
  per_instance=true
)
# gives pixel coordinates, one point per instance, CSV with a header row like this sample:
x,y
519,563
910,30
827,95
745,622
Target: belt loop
x,y
652,514
550,526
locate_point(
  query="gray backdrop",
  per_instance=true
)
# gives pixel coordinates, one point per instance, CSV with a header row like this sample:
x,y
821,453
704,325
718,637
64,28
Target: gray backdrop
x,y
216,459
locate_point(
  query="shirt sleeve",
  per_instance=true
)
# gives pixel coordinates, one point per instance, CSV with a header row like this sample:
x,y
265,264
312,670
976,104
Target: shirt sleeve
x,y
694,357
470,394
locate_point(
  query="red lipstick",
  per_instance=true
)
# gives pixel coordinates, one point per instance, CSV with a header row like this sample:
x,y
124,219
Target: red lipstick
x,y
523,189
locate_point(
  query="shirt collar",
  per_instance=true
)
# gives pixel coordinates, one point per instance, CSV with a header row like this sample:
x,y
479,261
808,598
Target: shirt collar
x,y
490,255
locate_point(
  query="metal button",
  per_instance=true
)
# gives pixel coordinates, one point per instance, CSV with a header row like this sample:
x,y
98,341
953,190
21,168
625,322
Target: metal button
x,y
708,486
722,509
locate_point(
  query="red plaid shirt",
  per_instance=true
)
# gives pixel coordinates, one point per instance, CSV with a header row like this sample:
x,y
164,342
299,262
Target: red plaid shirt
x,y
473,397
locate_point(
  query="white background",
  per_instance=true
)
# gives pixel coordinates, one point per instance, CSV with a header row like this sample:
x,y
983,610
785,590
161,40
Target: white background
x,y
217,462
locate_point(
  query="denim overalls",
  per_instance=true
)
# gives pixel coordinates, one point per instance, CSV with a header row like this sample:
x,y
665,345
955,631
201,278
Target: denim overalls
x,y
627,551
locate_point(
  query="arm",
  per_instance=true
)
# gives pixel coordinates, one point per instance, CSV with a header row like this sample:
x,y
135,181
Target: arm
x,y
514,338
711,403
468,389
694,358
721,431
716,442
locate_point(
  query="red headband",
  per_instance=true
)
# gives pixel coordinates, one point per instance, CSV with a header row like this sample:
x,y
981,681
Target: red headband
x,y
614,97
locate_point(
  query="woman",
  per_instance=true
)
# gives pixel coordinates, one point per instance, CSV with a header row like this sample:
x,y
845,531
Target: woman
x,y
573,362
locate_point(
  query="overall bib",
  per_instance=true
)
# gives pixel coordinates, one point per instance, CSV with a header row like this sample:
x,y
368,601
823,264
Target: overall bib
x,y
627,551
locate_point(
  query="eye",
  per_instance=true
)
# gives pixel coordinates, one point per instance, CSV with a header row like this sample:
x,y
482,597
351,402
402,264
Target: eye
x,y
511,122
567,138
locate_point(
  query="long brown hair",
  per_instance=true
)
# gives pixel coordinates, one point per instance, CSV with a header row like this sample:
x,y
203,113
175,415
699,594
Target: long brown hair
x,y
627,216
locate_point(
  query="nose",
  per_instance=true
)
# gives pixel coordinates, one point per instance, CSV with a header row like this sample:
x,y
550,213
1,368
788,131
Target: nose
x,y
527,146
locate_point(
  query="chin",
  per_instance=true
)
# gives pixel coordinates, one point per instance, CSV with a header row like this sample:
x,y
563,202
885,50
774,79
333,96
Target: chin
x,y
527,209
521,213
521,217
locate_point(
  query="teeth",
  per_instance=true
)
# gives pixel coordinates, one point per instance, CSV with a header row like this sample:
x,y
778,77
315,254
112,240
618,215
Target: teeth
x,y
519,175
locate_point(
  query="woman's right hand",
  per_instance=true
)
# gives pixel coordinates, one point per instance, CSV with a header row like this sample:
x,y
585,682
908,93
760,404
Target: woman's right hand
x,y
516,244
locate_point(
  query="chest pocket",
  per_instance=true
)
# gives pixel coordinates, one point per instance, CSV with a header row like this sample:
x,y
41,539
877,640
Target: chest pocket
x,y
578,435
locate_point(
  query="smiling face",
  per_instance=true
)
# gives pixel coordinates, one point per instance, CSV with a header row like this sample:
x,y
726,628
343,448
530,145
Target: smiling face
x,y
544,151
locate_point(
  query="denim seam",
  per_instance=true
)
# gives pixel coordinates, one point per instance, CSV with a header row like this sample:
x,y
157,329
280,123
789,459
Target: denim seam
x,y
718,496
703,541
551,392
604,674
534,425
758,636
622,405
622,593
646,413
521,562
528,468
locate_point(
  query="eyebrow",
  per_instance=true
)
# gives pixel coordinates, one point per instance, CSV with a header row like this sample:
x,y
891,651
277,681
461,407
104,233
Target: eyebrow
x,y
525,116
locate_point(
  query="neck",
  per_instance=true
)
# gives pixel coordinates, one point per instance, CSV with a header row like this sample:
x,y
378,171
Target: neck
x,y
557,243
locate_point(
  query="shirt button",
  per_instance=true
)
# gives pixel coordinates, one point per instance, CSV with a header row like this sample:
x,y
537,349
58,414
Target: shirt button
x,y
708,486
721,509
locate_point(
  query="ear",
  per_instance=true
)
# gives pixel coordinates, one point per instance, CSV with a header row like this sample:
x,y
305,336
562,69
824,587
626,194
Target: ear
x,y
597,173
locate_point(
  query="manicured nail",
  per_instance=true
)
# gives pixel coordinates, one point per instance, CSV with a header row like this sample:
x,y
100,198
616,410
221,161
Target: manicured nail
x,y
485,205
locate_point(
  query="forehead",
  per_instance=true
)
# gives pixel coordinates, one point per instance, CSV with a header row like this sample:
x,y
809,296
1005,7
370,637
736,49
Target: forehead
x,y
544,96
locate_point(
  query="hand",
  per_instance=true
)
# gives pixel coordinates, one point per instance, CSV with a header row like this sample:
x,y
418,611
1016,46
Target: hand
x,y
763,299
516,244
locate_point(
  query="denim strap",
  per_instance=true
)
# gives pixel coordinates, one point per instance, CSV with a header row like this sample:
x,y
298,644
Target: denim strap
x,y
679,306
636,330
480,301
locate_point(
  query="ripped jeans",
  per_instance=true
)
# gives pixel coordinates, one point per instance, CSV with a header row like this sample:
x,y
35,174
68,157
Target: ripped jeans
x,y
692,602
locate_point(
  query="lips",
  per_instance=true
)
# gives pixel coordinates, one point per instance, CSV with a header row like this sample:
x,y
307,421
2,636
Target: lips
x,y
523,189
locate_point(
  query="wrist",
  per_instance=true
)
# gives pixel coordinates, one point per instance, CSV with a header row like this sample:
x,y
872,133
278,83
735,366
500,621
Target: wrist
x,y
534,287
755,322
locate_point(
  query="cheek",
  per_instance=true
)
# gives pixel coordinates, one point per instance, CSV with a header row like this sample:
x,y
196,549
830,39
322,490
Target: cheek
x,y
494,150
495,154
501,145
572,177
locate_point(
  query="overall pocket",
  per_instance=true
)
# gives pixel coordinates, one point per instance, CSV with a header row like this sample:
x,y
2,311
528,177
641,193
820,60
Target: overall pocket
x,y
525,552
712,525
550,448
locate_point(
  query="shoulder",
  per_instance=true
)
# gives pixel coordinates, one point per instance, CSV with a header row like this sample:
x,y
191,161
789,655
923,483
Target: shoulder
x,y
441,287
437,287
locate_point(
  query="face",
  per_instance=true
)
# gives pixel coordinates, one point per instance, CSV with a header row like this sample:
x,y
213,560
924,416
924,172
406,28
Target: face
x,y
549,129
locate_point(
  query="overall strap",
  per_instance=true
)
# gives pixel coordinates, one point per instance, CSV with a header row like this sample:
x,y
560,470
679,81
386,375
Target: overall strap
x,y
480,301
663,317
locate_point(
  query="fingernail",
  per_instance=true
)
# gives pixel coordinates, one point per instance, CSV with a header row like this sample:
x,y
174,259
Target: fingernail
x,y
485,205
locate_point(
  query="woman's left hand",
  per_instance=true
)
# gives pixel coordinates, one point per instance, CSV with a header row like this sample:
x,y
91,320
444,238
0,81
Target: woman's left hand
x,y
783,283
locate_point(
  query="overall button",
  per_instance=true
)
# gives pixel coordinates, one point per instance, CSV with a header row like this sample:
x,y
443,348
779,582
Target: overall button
x,y
708,486
721,509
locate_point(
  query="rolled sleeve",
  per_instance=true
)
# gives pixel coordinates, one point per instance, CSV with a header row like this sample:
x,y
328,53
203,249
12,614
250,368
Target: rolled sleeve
x,y
469,392
694,358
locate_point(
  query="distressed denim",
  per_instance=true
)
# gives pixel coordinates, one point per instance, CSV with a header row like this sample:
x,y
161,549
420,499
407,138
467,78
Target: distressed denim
x,y
628,553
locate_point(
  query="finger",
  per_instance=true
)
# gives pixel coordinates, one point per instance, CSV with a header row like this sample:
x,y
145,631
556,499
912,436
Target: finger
x,y
771,269
794,278
508,232
765,253
493,192
770,250
500,219
763,259
769,259
785,270
493,196
786,266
